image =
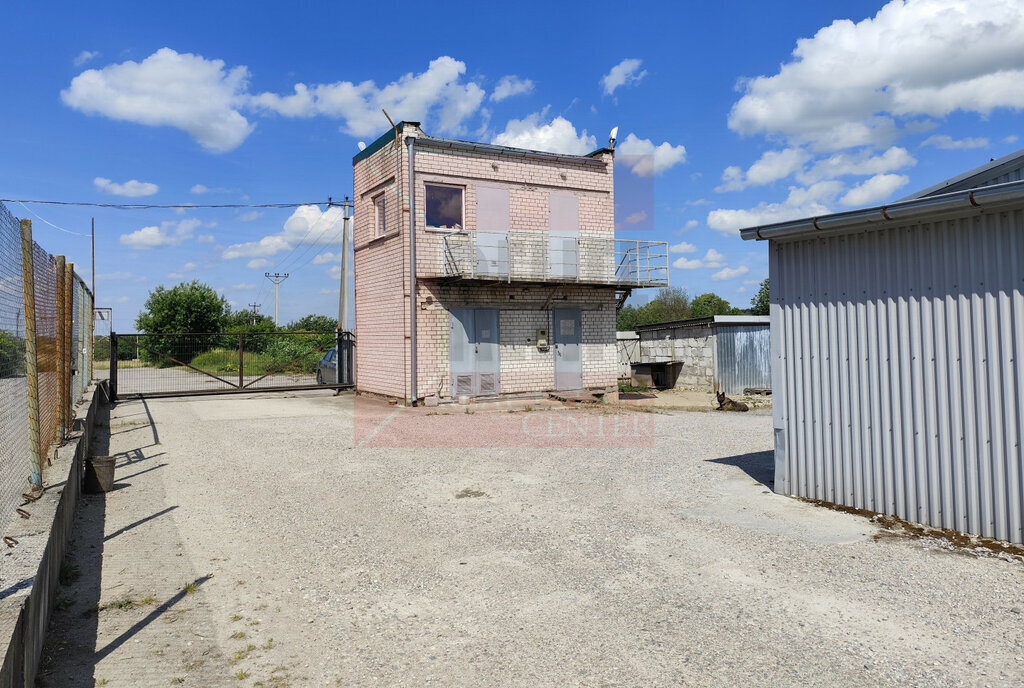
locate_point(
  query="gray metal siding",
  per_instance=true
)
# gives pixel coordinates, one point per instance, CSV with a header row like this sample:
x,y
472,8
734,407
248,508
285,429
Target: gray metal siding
x,y
743,357
898,371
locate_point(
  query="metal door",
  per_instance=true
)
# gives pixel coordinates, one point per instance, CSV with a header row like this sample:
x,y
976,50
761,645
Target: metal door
x,y
485,350
567,336
473,352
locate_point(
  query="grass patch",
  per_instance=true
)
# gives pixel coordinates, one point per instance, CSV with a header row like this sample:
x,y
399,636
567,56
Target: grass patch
x,y
627,387
190,588
241,674
238,635
236,617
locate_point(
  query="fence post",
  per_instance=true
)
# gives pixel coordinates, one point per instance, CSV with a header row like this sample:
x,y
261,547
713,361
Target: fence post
x,y
69,355
241,363
59,353
339,359
31,361
113,365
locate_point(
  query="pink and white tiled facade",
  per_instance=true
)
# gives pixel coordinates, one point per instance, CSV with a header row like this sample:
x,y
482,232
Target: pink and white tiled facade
x,y
524,302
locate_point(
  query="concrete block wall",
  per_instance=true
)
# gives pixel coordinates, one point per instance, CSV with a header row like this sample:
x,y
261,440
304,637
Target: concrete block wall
x,y
694,347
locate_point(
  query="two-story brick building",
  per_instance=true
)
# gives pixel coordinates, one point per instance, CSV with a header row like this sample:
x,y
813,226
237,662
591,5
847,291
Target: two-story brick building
x,y
518,273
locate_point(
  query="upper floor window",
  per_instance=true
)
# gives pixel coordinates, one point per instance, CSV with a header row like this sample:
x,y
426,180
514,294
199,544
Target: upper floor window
x,y
380,219
444,207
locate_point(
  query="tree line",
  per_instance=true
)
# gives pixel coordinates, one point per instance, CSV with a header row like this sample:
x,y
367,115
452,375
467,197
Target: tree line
x,y
673,303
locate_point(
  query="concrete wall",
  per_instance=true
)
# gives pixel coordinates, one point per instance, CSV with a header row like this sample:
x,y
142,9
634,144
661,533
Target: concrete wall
x,y
25,613
693,347
628,347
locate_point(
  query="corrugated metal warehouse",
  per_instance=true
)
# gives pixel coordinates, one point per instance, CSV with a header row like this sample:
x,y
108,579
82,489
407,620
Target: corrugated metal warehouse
x,y
732,350
897,351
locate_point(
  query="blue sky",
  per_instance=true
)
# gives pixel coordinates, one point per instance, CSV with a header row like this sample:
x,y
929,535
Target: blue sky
x,y
749,112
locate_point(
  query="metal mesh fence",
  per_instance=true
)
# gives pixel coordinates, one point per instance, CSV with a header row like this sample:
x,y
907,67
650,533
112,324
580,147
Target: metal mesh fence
x,y
14,438
46,347
62,315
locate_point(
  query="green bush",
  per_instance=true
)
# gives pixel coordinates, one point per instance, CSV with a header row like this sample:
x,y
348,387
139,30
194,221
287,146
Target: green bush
x,y
12,355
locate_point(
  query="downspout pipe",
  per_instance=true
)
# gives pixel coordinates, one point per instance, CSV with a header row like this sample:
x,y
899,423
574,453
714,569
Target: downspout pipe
x,y
413,386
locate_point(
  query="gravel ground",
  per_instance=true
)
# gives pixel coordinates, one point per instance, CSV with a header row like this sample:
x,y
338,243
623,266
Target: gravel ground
x,y
569,547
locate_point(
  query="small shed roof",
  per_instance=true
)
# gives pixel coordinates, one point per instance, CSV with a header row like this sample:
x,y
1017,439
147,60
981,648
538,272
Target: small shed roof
x,y
709,320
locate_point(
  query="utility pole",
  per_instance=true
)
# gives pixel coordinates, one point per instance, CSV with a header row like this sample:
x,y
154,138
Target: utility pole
x,y
277,278
343,292
255,311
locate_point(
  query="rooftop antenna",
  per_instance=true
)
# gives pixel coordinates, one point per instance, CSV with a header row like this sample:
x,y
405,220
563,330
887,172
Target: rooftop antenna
x,y
392,123
611,137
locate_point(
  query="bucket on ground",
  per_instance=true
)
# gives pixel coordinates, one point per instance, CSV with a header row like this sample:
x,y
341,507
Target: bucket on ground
x,y
99,474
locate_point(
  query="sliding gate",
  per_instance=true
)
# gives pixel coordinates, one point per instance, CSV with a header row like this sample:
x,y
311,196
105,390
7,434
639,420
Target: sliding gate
x,y
188,364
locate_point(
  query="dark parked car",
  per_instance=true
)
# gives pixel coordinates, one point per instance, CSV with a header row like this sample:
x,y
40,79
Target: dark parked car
x,y
327,368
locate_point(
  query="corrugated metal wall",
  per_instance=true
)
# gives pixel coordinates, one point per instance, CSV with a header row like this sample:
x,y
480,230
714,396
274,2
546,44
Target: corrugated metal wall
x,y
898,381
742,357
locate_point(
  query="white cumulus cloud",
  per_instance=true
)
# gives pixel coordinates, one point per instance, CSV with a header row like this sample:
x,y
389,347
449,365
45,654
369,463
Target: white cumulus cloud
x,y
436,97
509,86
682,247
801,202
199,96
556,136
874,190
132,188
771,166
645,159
307,225
323,258
711,259
862,163
167,234
626,72
853,84
257,263
85,56
730,273
946,142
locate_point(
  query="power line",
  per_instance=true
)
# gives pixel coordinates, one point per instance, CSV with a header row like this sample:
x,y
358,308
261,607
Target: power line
x,y
136,206
44,220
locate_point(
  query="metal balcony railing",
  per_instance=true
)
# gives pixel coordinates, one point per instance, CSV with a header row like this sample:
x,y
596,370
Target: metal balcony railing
x,y
542,256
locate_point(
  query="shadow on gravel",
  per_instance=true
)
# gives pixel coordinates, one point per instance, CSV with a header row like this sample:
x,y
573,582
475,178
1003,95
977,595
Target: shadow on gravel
x,y
758,465
71,637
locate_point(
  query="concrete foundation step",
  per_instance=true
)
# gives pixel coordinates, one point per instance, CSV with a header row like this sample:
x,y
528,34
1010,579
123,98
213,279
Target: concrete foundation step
x,y
579,396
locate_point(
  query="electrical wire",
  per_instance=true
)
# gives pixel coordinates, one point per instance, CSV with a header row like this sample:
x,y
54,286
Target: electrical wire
x,y
44,220
135,206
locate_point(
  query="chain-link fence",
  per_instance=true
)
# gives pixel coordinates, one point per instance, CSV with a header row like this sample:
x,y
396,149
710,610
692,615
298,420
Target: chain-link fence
x,y
45,354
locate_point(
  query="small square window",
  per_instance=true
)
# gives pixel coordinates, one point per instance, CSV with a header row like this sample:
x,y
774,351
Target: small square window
x,y
444,207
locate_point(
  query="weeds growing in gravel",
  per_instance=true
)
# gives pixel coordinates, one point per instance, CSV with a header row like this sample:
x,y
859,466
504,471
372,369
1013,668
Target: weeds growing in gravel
x,y
238,635
241,674
69,573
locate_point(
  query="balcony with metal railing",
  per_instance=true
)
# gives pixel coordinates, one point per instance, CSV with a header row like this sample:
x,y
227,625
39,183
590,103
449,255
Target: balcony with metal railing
x,y
542,256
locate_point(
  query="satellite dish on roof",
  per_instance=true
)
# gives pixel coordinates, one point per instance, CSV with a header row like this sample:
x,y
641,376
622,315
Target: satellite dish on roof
x,y
611,137
362,146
